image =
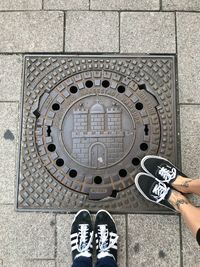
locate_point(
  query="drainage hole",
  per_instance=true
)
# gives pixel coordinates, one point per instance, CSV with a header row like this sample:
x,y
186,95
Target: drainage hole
x,y
146,129
73,89
121,89
59,162
139,106
122,173
97,180
48,130
105,83
72,173
135,161
143,146
51,147
55,106
89,84
142,86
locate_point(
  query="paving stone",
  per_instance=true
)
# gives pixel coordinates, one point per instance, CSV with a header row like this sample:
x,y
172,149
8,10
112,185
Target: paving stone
x,y
191,250
10,77
151,239
31,31
125,5
63,239
181,5
66,5
147,32
25,236
190,150
92,31
8,140
39,263
188,57
20,4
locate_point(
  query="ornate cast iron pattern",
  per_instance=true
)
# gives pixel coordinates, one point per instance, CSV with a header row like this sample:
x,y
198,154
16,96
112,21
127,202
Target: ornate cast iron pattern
x,y
87,123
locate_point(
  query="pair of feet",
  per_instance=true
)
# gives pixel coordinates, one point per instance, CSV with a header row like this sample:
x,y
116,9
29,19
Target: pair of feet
x,y
82,233
162,182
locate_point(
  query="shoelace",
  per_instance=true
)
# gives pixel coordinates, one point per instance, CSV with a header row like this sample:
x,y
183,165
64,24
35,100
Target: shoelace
x,y
160,190
106,242
83,234
167,174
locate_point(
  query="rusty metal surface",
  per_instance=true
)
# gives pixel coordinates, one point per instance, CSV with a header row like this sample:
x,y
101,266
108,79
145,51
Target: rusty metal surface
x,y
86,123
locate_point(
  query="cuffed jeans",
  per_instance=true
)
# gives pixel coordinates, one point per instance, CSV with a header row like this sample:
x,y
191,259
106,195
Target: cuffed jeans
x,y
87,262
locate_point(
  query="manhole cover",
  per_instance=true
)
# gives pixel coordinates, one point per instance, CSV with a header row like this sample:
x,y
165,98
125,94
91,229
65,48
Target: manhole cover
x,y
86,124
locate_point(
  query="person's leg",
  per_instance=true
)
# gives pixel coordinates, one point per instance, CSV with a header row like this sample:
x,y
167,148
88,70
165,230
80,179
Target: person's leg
x,y
190,213
166,172
187,185
82,262
81,239
106,240
106,262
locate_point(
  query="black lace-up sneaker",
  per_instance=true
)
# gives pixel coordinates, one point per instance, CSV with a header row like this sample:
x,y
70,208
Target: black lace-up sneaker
x,y
82,235
153,189
160,168
105,235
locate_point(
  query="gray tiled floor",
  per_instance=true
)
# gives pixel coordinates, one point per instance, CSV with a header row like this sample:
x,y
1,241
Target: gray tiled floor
x,y
39,239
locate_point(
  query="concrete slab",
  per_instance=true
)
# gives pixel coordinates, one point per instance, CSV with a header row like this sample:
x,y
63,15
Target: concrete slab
x,y
21,5
125,5
31,31
10,77
181,5
190,150
8,140
191,250
92,32
147,32
153,240
66,5
188,56
25,236
63,239
39,263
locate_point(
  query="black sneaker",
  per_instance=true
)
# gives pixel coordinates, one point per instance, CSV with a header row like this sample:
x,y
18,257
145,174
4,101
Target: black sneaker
x,y
153,189
105,235
82,235
160,168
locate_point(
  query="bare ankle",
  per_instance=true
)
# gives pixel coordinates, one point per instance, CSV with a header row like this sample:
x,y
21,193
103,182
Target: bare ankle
x,y
176,199
182,184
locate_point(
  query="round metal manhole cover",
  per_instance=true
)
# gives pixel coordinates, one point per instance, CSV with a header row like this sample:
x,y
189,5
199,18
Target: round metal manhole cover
x,y
97,126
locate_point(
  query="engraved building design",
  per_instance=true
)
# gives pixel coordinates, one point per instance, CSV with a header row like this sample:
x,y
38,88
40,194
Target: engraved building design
x,y
97,135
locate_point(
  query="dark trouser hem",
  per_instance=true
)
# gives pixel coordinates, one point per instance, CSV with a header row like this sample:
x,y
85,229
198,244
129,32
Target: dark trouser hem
x,y
198,236
82,262
106,262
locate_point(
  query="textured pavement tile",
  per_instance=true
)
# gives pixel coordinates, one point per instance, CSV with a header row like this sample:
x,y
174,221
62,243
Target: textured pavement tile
x,y
31,31
66,5
188,57
8,137
92,31
147,32
125,4
151,239
39,263
191,250
20,4
190,140
181,5
63,239
25,236
10,77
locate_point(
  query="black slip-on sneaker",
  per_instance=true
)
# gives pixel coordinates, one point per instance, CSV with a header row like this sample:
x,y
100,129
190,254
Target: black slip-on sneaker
x,y
160,168
82,235
153,189
105,235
